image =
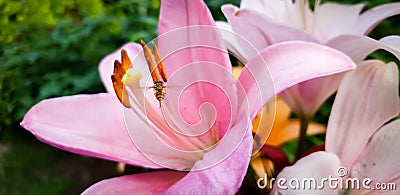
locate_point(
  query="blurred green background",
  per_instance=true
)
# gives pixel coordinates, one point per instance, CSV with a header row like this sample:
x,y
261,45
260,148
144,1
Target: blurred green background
x,y
52,48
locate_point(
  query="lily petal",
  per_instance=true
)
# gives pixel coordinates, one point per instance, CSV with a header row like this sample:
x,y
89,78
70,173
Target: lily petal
x,y
305,98
171,150
276,32
201,49
393,42
359,47
240,47
275,9
90,125
381,159
250,36
199,39
259,30
366,99
212,87
371,18
332,19
318,166
226,176
288,63
143,183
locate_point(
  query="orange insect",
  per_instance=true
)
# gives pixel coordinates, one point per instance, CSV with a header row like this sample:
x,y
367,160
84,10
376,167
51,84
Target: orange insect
x,y
153,61
158,84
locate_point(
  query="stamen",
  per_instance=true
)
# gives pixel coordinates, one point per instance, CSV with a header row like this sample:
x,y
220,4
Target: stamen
x,y
150,62
126,62
120,91
118,70
303,8
119,78
160,65
158,84
316,4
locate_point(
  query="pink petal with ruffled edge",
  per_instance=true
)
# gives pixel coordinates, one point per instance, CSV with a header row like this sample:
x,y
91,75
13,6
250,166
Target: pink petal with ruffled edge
x,y
318,166
381,159
288,63
359,47
366,99
372,17
225,175
143,183
91,125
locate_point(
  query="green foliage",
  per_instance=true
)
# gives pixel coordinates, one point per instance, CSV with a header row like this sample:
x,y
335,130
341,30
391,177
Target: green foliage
x,y
22,171
52,48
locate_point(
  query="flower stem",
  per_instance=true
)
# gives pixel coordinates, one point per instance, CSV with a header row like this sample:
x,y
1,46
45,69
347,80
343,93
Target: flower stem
x,y
301,144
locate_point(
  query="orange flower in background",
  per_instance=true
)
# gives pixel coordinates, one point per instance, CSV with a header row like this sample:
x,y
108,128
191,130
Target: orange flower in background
x,y
276,127
284,128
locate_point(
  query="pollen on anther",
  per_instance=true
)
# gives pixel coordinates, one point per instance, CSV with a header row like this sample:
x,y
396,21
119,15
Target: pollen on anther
x,y
119,76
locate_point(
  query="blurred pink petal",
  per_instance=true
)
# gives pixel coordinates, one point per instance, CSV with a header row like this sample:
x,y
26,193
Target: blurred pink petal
x,y
372,17
143,183
268,28
238,46
265,22
305,98
332,19
259,30
380,160
288,63
359,47
91,125
366,99
317,166
272,8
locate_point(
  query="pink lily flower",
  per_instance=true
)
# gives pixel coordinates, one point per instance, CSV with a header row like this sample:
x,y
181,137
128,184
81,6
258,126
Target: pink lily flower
x,y
204,140
342,27
357,138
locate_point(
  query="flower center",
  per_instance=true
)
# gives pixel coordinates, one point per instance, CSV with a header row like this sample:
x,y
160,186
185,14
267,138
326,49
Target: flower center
x,y
126,81
121,76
